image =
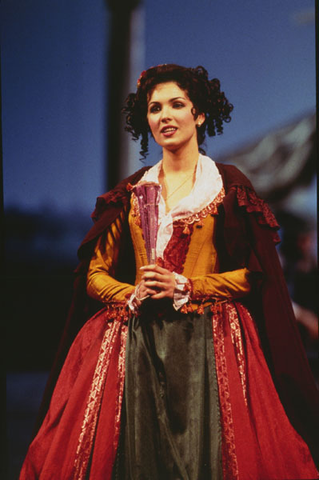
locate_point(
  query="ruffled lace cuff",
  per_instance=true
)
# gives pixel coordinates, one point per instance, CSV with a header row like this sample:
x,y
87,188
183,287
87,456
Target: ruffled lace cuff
x,y
182,291
131,302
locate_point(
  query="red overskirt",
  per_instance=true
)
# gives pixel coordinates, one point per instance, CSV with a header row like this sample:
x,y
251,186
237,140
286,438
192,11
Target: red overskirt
x,y
81,430
258,441
53,454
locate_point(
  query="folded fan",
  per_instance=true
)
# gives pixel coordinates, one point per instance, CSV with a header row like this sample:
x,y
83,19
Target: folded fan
x,y
148,196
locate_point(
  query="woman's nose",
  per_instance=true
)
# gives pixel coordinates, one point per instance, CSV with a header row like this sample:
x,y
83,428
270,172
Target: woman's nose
x,y
165,114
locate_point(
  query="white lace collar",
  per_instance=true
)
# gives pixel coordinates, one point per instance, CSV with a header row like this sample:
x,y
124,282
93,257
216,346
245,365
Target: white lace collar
x,y
208,183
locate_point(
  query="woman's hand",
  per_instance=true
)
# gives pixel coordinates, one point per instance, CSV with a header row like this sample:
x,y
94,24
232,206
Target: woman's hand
x,y
157,282
142,292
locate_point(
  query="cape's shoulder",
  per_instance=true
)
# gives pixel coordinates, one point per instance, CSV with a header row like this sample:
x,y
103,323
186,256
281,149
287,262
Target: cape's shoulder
x,y
108,207
232,176
238,185
118,195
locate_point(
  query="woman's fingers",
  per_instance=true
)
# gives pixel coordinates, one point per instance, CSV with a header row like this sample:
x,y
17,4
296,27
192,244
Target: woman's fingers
x,y
163,284
154,284
159,280
144,290
153,272
153,276
159,295
154,268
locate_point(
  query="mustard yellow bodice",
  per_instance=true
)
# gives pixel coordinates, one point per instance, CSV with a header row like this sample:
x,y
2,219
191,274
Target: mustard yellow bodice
x,y
200,258
190,252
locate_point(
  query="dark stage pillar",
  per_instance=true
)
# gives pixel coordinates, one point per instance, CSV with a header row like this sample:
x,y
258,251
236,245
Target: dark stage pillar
x,y
126,60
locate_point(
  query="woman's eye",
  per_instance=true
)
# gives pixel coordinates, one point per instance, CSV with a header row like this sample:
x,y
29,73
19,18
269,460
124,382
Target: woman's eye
x,y
154,108
178,105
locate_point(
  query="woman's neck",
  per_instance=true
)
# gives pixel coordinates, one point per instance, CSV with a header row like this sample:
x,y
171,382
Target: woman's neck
x,y
177,175
181,161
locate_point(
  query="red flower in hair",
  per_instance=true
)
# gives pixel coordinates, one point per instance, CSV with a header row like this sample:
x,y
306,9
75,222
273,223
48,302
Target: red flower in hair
x,y
144,73
140,78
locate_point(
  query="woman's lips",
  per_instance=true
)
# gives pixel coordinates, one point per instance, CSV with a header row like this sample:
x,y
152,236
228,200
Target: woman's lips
x,y
168,131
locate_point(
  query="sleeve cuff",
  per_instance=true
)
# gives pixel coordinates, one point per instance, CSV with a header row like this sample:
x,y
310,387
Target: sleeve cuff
x,y
131,302
182,291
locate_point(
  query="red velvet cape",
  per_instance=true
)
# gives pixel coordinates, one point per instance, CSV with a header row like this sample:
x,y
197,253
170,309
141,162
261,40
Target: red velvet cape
x,y
245,236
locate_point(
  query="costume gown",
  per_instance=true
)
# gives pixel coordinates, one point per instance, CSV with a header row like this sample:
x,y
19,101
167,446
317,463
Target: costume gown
x,y
177,391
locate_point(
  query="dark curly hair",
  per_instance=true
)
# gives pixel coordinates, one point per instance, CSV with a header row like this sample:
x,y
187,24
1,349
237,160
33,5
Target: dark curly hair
x,y
205,95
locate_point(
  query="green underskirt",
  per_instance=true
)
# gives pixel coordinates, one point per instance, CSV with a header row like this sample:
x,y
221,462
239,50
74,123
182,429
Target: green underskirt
x,y
170,426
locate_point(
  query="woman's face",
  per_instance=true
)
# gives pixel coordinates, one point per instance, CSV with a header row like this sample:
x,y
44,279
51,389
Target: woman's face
x,y
171,118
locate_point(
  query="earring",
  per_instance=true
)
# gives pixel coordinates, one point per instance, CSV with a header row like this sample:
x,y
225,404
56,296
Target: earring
x,y
199,124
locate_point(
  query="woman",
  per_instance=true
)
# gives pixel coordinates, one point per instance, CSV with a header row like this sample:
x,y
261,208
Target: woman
x,y
198,401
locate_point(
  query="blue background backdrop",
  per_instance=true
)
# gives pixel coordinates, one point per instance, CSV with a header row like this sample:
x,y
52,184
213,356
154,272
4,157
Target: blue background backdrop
x,y
54,80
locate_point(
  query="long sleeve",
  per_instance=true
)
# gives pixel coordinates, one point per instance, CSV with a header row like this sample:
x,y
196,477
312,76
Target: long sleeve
x,y
233,284
101,284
